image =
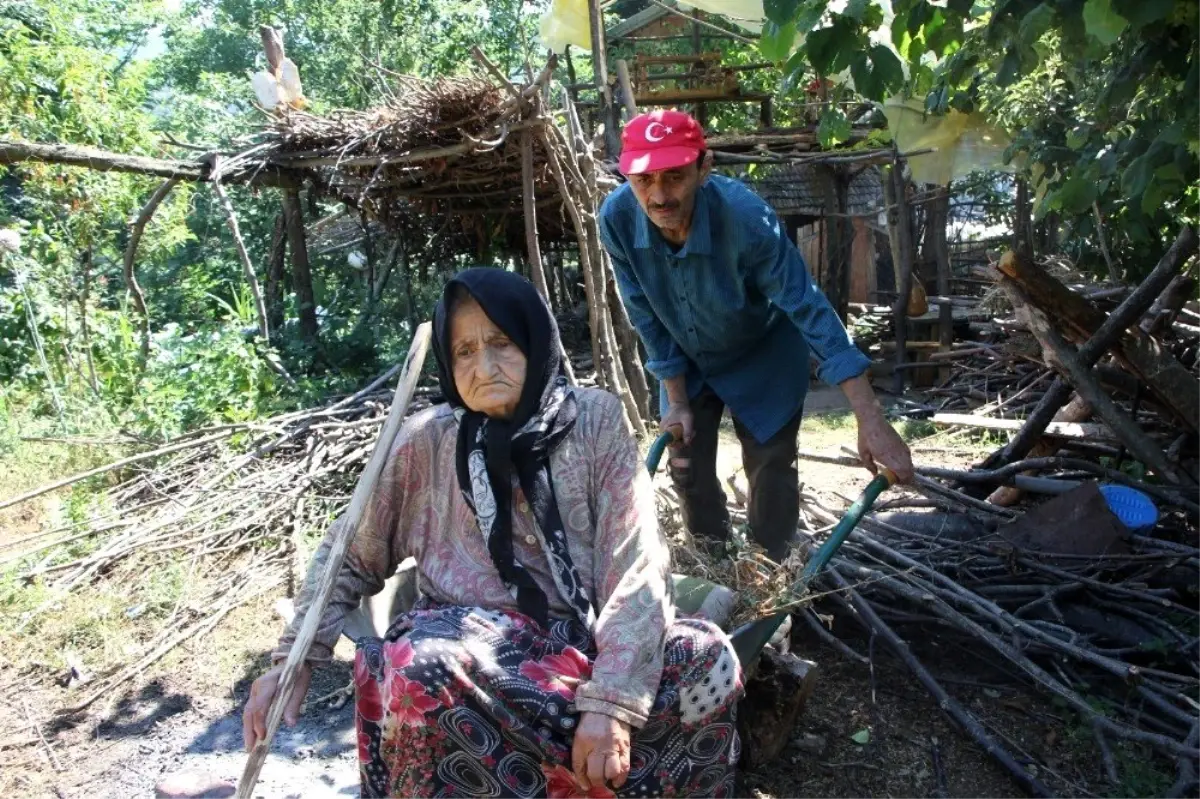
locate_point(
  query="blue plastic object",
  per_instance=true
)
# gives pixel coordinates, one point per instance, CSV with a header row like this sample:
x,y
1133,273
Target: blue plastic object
x,y
1135,510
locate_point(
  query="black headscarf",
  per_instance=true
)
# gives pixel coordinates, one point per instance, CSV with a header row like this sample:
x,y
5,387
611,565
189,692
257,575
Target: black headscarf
x,y
491,450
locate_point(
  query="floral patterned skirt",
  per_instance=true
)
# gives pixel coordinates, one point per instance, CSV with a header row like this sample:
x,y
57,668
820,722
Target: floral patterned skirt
x,y
458,701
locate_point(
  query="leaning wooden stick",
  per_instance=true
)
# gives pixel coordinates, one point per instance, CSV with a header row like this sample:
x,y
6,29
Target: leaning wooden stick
x,y
337,554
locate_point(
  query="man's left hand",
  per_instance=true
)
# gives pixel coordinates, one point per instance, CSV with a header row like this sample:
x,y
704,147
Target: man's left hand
x,y
880,445
601,751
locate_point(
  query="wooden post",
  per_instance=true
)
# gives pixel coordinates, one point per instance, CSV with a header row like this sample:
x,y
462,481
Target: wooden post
x,y
1022,233
627,99
766,114
612,139
533,250
301,273
939,215
337,554
840,249
900,238
571,85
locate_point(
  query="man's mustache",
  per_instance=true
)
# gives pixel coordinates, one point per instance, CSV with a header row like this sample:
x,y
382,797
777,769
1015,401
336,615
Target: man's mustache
x,y
671,206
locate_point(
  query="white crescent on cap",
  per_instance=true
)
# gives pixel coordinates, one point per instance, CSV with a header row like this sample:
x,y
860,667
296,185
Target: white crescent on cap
x,y
649,132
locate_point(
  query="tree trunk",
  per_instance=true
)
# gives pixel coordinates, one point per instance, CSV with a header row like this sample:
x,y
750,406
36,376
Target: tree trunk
x,y
306,304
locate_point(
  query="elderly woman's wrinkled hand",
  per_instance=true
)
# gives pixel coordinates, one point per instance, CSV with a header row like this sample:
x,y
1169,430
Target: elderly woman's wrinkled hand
x,y
254,717
601,751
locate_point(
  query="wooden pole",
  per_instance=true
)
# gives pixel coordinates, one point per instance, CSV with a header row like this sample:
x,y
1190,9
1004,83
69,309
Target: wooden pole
x,y
900,238
939,217
260,309
306,303
701,109
627,98
533,249
337,554
612,139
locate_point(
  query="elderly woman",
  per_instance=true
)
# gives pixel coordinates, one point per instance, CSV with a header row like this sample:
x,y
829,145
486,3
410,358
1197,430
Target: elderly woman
x,y
544,657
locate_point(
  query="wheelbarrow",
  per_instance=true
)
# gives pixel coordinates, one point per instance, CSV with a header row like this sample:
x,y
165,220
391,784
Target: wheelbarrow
x,y
778,683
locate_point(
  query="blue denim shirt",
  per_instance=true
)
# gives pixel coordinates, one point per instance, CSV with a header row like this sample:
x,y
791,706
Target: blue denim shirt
x,y
734,308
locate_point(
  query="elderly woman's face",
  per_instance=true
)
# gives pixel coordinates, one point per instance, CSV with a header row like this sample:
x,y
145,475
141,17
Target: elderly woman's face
x,y
489,369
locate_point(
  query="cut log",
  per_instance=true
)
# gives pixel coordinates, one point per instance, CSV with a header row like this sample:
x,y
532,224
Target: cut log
x,y
1065,428
775,698
1064,359
1173,384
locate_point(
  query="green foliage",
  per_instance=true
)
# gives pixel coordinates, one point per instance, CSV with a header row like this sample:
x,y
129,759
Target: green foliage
x,y
1101,97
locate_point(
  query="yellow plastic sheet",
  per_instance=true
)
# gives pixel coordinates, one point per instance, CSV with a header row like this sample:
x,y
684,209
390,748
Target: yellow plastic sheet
x,y
962,143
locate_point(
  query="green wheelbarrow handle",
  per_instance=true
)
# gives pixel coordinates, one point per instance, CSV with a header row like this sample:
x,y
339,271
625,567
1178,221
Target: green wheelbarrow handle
x,y
654,457
749,639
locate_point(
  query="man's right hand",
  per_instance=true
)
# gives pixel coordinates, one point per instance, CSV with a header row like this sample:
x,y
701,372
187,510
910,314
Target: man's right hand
x,y
679,416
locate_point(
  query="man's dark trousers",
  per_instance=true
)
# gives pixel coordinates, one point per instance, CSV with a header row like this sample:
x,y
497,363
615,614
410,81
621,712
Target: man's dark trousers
x,y
774,499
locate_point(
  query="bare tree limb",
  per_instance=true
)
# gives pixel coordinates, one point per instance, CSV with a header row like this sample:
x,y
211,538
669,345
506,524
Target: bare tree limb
x,y
136,228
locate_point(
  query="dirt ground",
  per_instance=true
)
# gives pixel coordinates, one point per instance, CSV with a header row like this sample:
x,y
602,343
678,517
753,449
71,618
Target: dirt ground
x,y
183,713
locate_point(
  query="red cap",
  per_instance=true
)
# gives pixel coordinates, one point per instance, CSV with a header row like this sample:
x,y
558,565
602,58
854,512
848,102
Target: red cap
x,y
660,140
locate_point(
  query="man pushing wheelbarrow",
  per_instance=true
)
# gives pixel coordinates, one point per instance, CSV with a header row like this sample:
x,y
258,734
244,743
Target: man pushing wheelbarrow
x,y
729,316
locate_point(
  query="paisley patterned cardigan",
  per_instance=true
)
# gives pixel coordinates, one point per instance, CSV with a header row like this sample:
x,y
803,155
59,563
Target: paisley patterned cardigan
x,y
607,505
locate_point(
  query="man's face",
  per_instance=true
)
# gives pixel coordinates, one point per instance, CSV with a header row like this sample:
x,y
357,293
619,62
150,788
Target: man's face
x,y
669,195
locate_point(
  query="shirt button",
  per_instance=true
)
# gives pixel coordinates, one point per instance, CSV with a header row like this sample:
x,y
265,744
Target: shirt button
x,y
529,539
524,507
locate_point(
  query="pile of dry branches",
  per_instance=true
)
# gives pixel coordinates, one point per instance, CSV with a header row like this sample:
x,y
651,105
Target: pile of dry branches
x,y
239,502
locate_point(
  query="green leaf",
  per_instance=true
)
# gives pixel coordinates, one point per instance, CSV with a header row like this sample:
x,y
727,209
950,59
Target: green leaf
x,y
920,14
862,737
857,8
834,128
781,12
794,71
1137,177
1035,24
1102,22
1009,68
1077,137
831,49
1075,196
961,7
889,72
776,41
1141,13
811,15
